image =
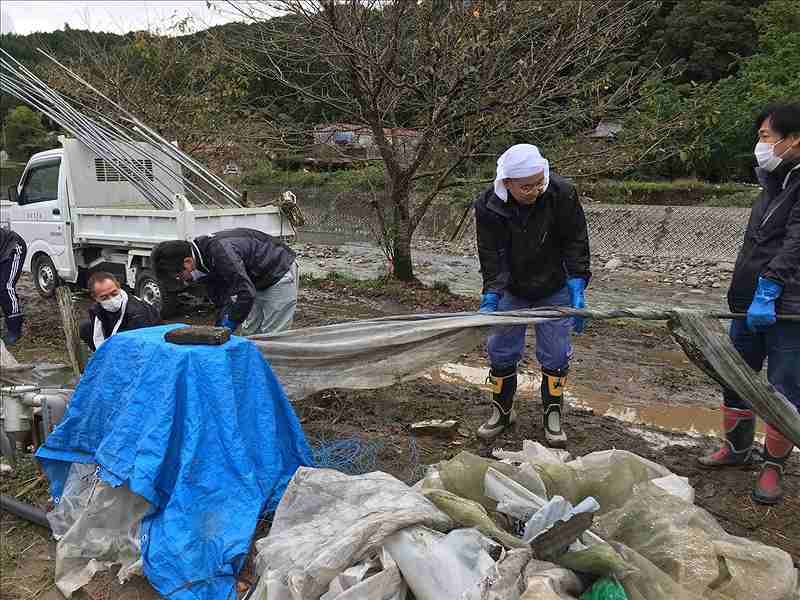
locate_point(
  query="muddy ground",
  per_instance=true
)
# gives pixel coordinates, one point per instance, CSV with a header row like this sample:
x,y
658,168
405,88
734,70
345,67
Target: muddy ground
x,y
629,369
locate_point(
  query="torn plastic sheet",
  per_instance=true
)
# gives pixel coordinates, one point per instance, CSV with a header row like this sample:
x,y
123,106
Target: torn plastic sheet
x,y
468,513
381,352
378,578
102,530
687,543
557,509
78,488
327,522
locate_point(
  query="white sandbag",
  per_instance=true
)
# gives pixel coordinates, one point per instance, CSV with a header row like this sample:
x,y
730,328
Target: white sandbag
x,y
437,566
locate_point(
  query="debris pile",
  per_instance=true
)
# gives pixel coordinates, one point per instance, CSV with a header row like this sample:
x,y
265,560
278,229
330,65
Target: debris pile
x,y
608,525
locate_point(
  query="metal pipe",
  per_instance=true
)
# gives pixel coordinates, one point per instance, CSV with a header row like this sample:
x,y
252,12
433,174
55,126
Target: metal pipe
x,y
29,88
71,120
34,514
190,163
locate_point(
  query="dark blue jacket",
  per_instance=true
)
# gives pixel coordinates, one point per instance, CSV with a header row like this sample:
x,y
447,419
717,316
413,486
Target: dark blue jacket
x,y
239,262
771,246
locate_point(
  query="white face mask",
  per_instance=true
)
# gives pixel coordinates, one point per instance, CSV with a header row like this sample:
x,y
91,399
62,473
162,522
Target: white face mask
x,y
114,303
765,156
198,275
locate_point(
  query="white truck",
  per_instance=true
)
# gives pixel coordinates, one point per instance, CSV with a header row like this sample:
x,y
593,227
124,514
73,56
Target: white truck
x,y
78,214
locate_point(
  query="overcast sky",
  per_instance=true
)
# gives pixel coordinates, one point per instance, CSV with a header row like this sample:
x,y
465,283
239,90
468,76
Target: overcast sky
x,y
116,16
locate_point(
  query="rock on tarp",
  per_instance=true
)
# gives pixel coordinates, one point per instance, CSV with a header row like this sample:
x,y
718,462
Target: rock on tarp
x,y
204,433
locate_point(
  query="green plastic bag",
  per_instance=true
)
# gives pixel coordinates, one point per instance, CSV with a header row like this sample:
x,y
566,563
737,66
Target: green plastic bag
x,y
605,589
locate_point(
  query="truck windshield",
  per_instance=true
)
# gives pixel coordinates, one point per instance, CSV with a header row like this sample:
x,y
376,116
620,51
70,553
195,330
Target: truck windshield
x,y
41,184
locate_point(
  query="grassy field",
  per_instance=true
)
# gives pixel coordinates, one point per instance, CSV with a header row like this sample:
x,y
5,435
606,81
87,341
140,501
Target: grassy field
x,y
680,192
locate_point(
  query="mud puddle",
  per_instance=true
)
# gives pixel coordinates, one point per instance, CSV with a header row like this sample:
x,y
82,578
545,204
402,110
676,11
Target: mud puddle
x,y
691,420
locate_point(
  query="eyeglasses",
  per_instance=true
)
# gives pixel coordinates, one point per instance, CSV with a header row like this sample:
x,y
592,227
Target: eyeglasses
x,y
531,188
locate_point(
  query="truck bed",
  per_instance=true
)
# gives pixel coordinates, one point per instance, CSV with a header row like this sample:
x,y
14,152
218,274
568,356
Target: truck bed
x,y
138,227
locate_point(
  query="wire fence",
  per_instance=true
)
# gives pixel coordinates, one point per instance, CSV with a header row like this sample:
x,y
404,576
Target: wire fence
x,y
713,233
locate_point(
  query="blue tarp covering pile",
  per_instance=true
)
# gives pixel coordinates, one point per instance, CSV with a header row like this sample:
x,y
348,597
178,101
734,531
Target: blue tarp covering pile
x,y
203,433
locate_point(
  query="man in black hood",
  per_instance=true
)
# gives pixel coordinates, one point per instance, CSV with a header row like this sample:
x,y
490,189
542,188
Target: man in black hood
x,y
251,277
765,284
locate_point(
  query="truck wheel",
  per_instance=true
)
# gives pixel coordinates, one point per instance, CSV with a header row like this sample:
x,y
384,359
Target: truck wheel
x,y
150,290
45,276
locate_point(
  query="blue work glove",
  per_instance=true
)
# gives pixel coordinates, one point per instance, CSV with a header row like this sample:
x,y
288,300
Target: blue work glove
x,y
761,314
226,321
489,302
577,299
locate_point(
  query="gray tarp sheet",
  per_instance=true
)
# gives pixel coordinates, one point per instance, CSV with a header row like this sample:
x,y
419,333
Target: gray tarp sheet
x,y
381,352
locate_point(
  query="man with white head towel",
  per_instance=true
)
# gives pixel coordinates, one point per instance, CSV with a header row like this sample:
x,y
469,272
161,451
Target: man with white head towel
x,y
533,246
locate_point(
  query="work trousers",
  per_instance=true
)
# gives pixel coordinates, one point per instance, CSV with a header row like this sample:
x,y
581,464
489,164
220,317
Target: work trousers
x,y
779,346
506,345
273,308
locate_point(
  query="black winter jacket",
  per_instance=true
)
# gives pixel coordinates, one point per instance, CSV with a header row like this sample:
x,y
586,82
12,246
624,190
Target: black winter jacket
x,y
138,314
772,242
8,243
532,256
238,262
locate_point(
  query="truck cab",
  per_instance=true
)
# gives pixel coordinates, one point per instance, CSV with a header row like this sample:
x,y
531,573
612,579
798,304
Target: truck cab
x,y
38,213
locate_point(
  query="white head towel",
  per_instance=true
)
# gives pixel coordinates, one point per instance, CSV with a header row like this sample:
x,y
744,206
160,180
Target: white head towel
x,y
522,160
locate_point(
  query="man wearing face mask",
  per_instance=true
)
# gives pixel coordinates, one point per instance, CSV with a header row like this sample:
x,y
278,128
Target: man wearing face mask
x,y
765,284
533,247
251,277
114,311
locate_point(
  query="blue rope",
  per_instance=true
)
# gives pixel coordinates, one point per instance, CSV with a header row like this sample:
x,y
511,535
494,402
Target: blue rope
x,y
352,456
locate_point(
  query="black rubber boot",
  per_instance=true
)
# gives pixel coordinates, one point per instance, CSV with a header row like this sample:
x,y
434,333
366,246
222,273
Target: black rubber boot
x,y
504,386
737,451
553,383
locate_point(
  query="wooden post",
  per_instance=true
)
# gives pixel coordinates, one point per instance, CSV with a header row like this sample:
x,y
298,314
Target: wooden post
x,y
71,331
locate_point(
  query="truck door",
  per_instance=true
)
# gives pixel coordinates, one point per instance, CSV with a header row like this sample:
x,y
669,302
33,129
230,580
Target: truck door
x,y
39,217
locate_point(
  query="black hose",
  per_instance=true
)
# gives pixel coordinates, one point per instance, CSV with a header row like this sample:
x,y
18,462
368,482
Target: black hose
x,y
30,513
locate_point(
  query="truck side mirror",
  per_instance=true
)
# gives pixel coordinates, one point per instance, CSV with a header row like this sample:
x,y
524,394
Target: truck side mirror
x,y
13,196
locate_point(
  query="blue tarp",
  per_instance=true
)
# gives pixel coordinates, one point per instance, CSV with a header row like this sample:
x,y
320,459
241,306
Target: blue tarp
x,y
204,433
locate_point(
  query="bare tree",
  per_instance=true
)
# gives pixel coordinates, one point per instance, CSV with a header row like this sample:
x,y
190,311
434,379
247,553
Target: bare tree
x,y
459,73
169,82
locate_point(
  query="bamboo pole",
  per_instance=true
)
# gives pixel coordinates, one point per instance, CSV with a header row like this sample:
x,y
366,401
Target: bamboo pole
x,y
71,332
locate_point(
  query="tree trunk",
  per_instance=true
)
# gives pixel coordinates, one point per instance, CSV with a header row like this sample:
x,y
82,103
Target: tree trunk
x,y
403,269
73,338
402,229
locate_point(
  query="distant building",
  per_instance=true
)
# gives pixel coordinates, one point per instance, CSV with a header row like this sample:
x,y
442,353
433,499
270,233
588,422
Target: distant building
x,y
358,141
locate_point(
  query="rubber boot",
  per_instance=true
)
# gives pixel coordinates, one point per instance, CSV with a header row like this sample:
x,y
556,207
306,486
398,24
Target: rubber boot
x,y
553,383
740,429
13,330
768,488
504,386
